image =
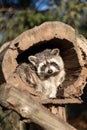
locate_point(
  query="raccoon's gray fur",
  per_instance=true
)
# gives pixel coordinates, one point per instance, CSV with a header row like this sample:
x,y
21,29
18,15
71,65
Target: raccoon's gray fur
x,y
46,72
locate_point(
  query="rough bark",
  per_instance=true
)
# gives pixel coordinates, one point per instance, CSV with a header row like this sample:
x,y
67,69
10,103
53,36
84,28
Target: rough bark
x,y
3,50
23,103
73,49
51,35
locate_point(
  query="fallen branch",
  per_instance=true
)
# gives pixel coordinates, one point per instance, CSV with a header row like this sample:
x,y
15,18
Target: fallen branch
x,y
62,101
23,103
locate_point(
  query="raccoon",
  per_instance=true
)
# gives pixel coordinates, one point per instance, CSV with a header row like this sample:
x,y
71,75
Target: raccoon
x,y
49,71
45,72
27,74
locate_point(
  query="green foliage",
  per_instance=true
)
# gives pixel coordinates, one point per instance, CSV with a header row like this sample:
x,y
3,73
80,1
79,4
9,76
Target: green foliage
x,y
9,120
73,12
21,21
14,22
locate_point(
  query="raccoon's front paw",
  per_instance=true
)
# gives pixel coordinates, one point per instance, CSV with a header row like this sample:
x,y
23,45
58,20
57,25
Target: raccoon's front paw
x,y
44,97
52,96
39,90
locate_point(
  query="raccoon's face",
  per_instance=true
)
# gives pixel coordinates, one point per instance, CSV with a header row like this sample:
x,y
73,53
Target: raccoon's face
x,y
47,68
48,65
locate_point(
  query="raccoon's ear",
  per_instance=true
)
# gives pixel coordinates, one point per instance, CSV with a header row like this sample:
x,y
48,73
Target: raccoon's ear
x,y
33,60
55,51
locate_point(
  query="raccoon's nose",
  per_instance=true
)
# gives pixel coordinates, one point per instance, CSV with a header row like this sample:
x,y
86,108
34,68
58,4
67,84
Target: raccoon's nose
x,y
50,71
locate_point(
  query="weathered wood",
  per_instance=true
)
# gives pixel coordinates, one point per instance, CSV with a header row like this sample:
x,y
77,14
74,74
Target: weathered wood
x,y
3,50
23,103
62,112
17,82
61,101
59,110
72,49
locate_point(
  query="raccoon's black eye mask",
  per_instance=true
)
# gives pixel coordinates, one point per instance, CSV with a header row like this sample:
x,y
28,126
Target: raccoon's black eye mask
x,y
55,65
43,67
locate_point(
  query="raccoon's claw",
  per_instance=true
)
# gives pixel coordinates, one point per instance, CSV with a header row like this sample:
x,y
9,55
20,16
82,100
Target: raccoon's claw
x,y
39,90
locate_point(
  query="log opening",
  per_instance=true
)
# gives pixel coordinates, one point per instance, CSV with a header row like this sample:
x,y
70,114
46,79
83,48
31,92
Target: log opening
x,y
67,52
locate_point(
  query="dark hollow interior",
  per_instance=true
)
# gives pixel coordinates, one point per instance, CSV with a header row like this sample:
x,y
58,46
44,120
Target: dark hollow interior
x,y
67,52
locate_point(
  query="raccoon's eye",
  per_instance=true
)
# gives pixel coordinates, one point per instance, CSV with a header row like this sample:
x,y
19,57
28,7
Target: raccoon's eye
x,y
43,68
55,65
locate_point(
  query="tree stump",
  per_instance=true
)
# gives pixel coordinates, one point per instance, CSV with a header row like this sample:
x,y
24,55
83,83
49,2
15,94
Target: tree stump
x,y
73,49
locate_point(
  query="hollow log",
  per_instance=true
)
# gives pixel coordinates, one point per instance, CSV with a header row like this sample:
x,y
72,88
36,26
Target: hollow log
x,y
51,35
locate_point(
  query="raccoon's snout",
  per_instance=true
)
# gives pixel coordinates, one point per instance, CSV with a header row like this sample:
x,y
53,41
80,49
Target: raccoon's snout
x,y
50,71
